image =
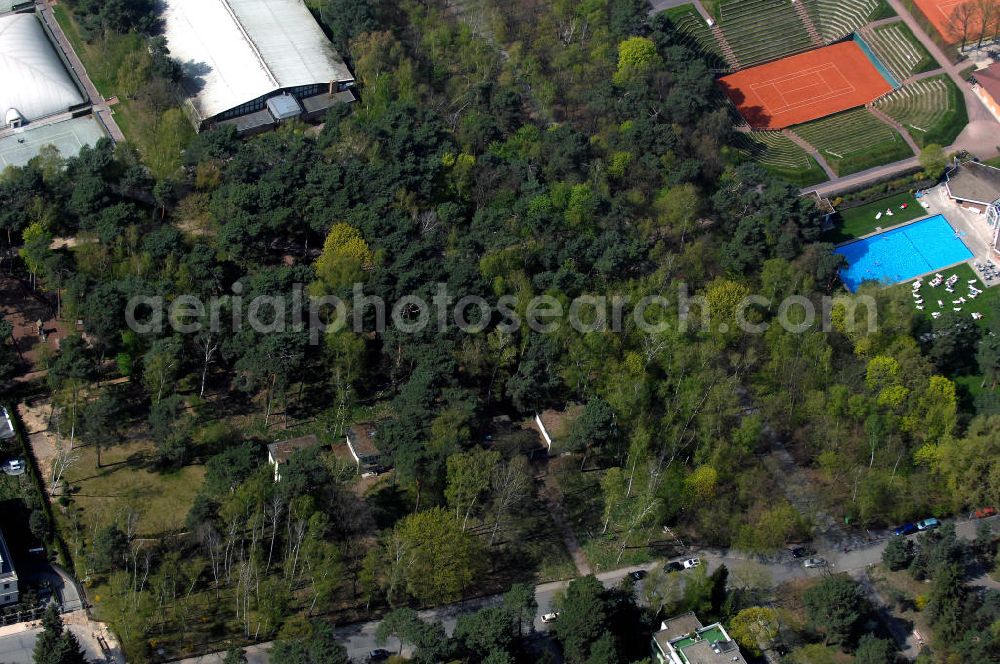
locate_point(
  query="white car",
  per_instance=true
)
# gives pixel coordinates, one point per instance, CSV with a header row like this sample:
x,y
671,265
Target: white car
x,y
692,562
369,474
550,617
813,563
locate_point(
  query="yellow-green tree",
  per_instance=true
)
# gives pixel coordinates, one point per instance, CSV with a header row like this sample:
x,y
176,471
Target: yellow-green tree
x,y
754,627
637,57
345,258
438,560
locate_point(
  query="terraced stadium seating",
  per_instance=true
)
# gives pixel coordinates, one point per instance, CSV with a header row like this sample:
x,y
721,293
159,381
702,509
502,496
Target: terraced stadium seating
x,y
835,19
919,106
896,49
772,148
847,133
687,20
763,30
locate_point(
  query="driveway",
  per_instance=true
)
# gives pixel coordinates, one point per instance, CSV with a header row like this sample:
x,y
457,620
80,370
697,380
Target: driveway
x,y
18,641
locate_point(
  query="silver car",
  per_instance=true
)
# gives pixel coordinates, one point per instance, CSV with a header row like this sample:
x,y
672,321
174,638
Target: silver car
x,y
811,563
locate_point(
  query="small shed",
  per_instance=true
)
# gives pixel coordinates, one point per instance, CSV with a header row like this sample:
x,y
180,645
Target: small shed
x,y
279,453
361,443
553,425
6,425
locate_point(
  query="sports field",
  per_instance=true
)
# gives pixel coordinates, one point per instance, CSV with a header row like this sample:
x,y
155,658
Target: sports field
x,y
805,87
942,14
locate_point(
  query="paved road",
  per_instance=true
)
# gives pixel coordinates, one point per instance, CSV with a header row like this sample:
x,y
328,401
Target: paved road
x,y
662,5
359,638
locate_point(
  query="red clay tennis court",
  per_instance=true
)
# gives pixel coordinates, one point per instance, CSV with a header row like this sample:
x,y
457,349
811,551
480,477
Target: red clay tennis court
x,y
942,14
805,87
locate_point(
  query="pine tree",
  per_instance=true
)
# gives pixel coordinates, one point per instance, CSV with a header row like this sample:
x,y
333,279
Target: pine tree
x,y
47,646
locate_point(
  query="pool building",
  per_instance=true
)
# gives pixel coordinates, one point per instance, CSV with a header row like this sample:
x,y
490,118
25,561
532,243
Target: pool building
x,y
684,640
903,253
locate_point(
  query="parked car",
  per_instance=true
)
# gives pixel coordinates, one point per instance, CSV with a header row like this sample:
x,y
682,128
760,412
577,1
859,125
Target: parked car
x,y
369,474
800,551
550,617
638,575
673,567
905,529
811,563
692,562
985,512
379,655
928,524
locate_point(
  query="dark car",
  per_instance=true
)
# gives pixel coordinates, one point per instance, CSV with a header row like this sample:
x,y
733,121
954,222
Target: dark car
x,y
673,567
801,551
638,575
905,529
379,655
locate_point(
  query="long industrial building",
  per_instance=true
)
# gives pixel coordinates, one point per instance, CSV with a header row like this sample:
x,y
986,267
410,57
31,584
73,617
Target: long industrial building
x,y
254,63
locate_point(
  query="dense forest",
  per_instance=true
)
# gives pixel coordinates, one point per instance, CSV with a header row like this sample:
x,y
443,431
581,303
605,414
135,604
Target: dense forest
x,y
520,149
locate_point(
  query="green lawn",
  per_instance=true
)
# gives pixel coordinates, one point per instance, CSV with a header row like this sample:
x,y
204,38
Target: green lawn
x,y
987,303
127,481
860,221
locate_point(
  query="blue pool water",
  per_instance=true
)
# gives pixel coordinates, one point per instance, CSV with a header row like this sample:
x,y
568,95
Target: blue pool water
x,y
902,253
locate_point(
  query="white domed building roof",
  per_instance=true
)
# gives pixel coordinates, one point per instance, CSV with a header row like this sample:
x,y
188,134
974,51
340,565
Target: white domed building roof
x,y
33,81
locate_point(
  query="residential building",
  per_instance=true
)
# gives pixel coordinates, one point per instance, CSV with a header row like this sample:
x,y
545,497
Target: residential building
x,y
684,640
976,187
553,425
9,593
254,63
279,453
361,443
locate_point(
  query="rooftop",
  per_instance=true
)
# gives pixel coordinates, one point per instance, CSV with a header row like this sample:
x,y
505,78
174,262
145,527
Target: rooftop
x,y
33,80
6,563
975,182
236,51
711,645
361,436
283,450
68,135
989,80
709,651
676,627
557,422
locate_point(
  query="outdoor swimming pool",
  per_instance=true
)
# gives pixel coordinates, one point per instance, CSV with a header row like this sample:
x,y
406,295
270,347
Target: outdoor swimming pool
x,y
902,253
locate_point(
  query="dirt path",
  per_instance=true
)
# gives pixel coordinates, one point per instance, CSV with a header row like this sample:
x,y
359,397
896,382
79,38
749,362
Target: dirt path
x,y
43,445
553,499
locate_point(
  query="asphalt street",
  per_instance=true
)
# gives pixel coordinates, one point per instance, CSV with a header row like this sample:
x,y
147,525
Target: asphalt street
x,y
359,638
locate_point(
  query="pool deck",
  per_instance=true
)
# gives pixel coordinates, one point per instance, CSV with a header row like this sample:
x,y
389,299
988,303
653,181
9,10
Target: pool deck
x,y
975,232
